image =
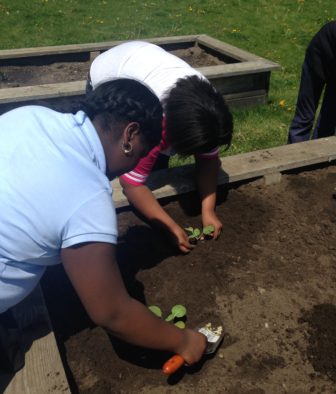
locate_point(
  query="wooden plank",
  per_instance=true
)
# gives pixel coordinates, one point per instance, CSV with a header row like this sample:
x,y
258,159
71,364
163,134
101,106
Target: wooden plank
x,y
241,101
248,94
87,47
227,70
242,84
40,92
251,62
77,88
232,51
203,39
43,371
174,181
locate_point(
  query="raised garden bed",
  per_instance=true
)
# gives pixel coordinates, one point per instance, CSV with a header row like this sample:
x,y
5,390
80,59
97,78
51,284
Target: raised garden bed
x,y
270,278
59,72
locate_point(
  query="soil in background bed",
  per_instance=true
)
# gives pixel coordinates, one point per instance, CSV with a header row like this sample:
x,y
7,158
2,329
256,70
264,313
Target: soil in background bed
x,y
270,279
16,76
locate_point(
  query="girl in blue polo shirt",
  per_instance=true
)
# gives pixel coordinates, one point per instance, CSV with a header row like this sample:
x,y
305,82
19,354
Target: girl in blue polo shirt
x,y
56,206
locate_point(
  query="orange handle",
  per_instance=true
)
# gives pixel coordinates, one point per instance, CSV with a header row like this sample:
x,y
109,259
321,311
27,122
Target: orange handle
x,y
173,364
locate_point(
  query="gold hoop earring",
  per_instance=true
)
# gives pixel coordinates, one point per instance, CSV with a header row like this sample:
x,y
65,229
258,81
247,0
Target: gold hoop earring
x,y
127,147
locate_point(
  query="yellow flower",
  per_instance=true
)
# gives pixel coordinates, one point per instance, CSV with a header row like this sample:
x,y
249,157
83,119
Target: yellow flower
x,y
282,103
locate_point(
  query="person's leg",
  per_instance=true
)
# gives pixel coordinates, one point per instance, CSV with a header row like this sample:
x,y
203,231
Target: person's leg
x,y
326,124
12,356
310,90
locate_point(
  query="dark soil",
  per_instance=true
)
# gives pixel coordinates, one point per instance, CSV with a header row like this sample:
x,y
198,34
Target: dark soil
x,y
270,279
16,76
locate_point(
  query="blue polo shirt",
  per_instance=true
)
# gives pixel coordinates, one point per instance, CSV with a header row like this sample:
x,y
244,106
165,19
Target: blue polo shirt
x,y
53,194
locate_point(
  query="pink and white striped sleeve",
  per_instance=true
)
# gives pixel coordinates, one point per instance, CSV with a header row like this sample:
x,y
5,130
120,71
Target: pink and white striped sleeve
x,y
140,173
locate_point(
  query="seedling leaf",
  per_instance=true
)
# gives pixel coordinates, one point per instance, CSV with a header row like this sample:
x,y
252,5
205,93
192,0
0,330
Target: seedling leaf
x,y
189,230
193,233
179,311
180,324
170,317
197,232
208,230
156,310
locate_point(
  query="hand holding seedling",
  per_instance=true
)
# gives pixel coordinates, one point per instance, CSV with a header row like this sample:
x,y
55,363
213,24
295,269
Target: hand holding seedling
x,y
182,239
195,234
210,218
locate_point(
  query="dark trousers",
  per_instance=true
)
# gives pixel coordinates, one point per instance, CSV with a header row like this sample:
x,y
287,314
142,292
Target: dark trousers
x,y
11,352
310,91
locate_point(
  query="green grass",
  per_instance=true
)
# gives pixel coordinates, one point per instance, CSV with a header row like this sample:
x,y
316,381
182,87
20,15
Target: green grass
x,y
275,29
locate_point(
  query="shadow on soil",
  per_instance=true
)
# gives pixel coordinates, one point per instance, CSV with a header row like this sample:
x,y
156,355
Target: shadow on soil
x,y
321,351
140,247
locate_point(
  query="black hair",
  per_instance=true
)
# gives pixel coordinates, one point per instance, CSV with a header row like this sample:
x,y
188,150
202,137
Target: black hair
x,y
126,100
197,117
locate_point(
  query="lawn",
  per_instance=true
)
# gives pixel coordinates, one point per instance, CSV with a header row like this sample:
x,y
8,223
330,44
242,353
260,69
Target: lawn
x,y
275,29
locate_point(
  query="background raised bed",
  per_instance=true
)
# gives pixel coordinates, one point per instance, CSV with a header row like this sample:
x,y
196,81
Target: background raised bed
x,y
279,31
55,73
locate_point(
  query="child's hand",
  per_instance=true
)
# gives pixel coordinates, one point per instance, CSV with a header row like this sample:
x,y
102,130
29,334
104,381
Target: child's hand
x,y
210,218
180,238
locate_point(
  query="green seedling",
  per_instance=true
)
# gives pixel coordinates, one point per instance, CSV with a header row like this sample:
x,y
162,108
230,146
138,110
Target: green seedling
x,y
156,310
177,313
208,231
194,234
180,324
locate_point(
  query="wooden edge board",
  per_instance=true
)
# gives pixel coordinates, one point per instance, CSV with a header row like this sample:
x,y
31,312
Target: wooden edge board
x,y
179,180
204,39
43,371
232,51
88,47
40,92
246,94
228,70
75,88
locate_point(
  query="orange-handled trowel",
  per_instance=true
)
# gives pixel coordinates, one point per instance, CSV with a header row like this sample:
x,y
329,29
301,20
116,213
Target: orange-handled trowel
x,y
214,337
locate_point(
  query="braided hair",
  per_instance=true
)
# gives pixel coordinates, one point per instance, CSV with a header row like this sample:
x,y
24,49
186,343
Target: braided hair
x,y
198,119
126,100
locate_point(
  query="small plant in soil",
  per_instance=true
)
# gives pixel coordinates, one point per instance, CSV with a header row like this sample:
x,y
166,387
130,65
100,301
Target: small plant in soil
x,y
195,234
208,231
177,314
